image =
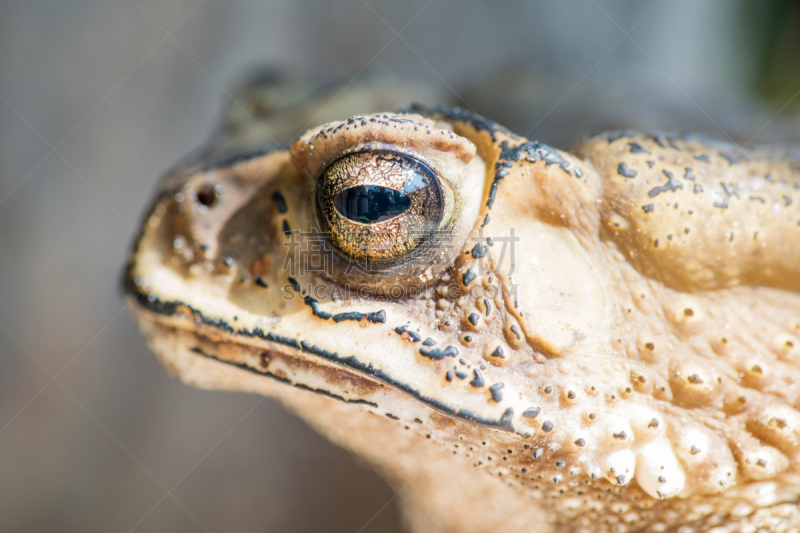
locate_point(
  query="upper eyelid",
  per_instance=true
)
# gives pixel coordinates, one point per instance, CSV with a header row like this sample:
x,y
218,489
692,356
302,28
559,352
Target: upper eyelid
x,y
424,137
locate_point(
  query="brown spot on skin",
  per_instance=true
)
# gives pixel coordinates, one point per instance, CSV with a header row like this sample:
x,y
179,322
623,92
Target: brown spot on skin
x,y
692,383
261,266
778,425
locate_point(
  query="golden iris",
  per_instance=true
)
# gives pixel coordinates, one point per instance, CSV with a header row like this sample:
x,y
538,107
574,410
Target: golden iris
x,y
379,206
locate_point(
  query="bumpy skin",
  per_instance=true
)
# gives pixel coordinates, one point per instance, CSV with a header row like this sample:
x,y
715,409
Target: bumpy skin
x,y
613,345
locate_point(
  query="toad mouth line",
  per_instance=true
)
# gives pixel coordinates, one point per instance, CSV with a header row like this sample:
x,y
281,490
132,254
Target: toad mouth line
x,y
351,362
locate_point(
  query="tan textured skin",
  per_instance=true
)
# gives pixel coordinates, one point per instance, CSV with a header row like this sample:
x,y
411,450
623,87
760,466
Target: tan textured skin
x,y
648,326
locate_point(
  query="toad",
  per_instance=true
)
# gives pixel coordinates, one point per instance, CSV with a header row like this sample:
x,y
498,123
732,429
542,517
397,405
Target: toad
x,y
522,338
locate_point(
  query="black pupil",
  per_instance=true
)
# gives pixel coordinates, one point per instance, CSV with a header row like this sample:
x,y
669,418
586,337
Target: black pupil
x,y
371,203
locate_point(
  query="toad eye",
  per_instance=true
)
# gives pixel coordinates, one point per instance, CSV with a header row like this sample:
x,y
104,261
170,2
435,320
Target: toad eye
x,y
380,206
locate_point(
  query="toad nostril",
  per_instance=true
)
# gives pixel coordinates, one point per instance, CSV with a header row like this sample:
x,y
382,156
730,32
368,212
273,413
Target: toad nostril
x,y
207,195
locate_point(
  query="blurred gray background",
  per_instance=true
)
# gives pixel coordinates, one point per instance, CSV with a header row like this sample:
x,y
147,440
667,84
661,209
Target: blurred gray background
x,y
98,98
